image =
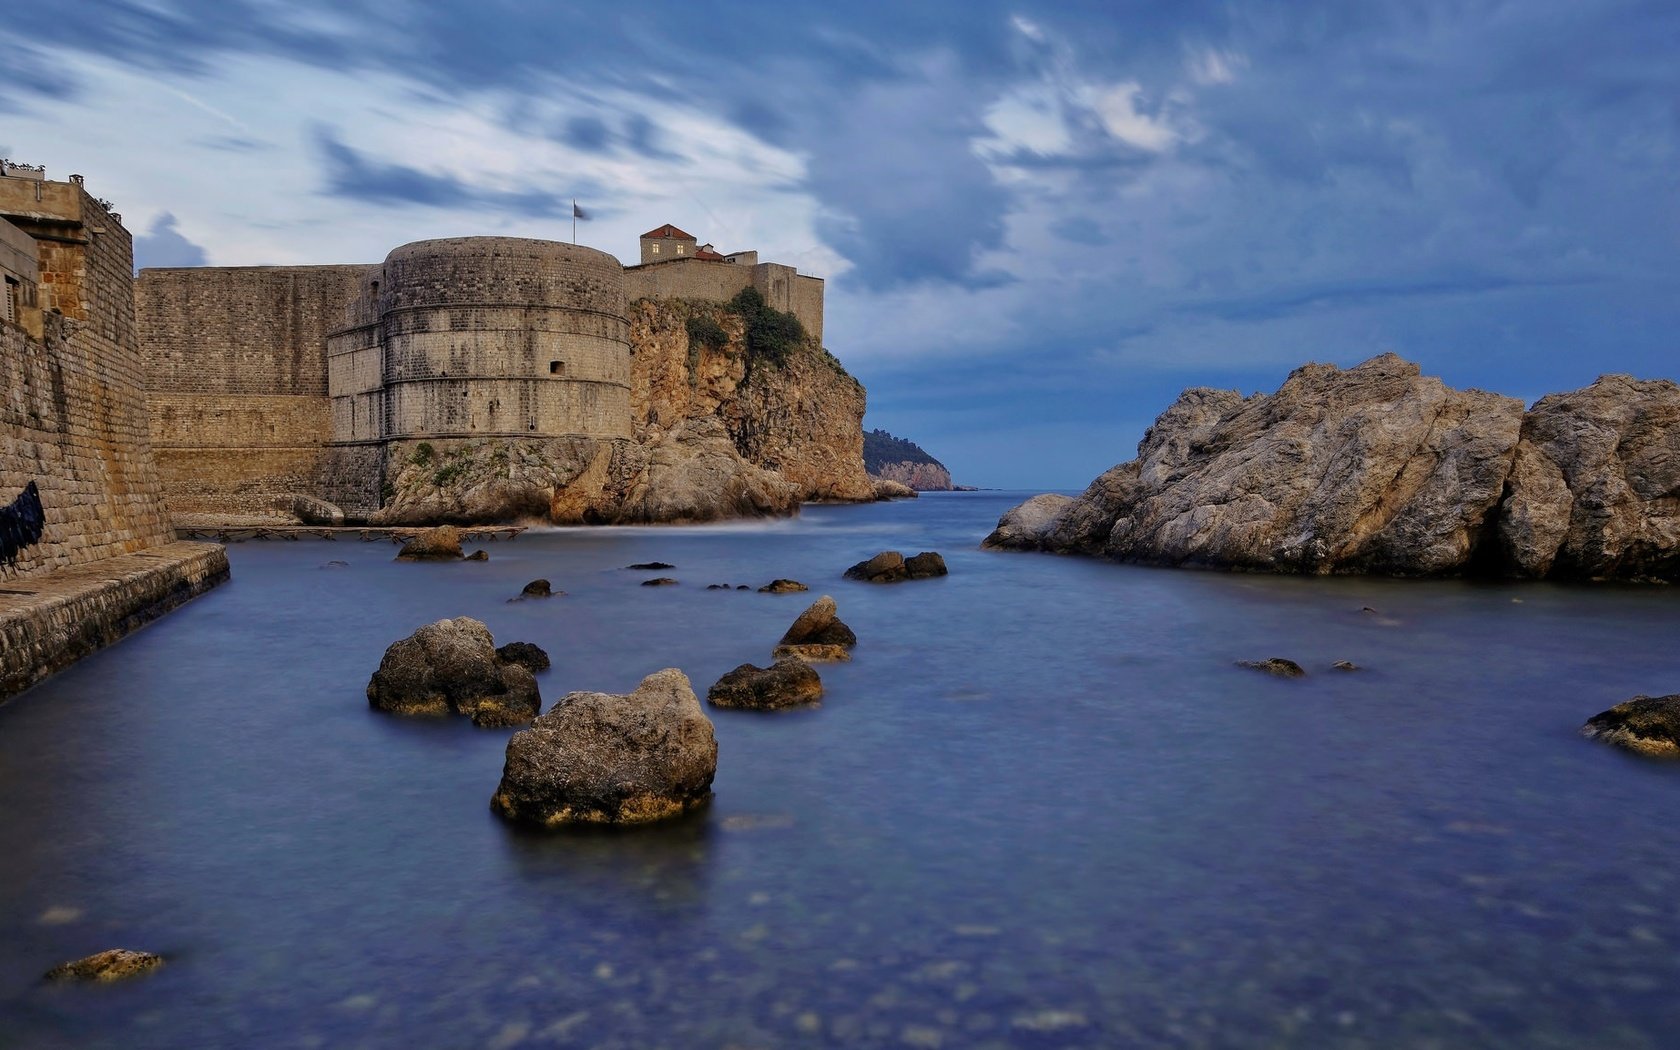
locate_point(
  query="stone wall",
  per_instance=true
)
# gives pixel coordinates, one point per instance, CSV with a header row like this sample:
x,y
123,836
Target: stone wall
x,y
237,373
74,417
783,287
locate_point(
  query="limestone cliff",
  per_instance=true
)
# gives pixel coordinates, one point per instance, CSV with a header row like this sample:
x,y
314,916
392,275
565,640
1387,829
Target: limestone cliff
x,y
896,459
721,430
1378,469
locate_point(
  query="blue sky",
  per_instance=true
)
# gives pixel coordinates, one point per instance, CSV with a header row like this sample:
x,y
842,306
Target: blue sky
x,y
1038,221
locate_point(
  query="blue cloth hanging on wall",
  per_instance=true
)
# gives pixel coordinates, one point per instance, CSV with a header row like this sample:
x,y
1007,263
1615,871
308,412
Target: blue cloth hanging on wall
x,y
21,524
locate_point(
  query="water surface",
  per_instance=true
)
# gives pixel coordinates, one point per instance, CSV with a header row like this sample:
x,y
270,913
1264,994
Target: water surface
x,y
1042,807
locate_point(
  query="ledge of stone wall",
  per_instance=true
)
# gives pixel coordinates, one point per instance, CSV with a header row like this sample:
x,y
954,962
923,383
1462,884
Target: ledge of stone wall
x,y
50,620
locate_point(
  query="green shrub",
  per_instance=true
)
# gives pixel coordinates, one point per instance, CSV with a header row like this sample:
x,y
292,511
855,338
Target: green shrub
x,y
423,453
704,331
771,334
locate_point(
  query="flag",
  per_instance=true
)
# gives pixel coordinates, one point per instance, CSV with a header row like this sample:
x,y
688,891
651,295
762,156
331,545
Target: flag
x,y
579,213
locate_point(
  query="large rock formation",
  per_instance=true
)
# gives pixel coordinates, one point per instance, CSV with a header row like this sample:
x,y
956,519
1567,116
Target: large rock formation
x,y
1378,469
600,758
720,432
1595,491
897,459
1646,725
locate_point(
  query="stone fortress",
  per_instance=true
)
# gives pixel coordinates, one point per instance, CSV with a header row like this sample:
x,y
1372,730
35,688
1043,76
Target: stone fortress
x,y
270,383
87,551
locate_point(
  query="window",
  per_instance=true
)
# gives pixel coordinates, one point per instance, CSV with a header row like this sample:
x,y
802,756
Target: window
x,y
11,307
557,368
679,249
653,249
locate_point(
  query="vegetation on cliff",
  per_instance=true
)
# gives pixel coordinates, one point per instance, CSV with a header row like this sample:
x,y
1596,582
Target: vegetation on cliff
x,y
897,459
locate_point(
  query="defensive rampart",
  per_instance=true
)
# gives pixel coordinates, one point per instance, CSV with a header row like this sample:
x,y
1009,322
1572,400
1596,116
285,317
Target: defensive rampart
x,y
783,287
79,490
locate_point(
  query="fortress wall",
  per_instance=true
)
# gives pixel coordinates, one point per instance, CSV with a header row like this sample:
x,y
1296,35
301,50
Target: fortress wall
x,y
243,329
466,408
74,417
236,366
489,336
782,286
687,279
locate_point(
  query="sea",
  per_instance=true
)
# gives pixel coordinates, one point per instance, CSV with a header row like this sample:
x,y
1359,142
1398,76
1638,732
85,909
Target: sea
x,y
1043,806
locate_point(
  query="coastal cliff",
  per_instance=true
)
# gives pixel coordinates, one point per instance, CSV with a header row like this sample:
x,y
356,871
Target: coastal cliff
x,y
723,427
1378,469
897,459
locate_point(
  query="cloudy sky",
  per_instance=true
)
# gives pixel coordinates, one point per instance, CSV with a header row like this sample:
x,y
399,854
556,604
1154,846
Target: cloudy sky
x,y
1038,220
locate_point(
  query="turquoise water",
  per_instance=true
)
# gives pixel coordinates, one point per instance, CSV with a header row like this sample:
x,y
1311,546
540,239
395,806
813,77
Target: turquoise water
x,y
1040,808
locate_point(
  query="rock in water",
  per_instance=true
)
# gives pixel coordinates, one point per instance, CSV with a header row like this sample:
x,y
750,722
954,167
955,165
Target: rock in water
x,y
885,567
925,565
452,667
526,655
1649,725
886,488
537,589
598,758
811,653
1595,489
789,683
1370,469
1277,665
651,565
819,624
113,964
660,581
440,544
782,587
1024,526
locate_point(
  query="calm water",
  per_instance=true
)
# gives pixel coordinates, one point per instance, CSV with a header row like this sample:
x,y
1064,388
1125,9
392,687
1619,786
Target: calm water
x,y
1041,808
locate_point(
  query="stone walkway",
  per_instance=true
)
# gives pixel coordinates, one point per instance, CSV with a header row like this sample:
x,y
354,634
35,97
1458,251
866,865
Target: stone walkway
x,y
50,620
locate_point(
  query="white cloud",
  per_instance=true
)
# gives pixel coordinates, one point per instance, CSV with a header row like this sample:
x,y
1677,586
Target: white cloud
x,y
1213,66
1117,107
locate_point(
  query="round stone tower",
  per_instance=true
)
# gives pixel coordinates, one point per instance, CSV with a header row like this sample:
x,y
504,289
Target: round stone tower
x,y
502,337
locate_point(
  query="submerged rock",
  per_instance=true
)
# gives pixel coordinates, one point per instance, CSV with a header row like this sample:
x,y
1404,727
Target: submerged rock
x,y
660,581
651,566
1345,665
600,758
453,667
538,589
1276,665
1648,725
788,683
440,544
479,555
783,587
112,964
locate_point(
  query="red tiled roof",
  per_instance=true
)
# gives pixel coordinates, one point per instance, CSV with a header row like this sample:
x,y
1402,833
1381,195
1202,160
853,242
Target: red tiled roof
x,y
702,254
669,232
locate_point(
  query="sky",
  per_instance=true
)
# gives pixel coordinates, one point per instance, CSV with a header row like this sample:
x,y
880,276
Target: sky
x,y
1038,221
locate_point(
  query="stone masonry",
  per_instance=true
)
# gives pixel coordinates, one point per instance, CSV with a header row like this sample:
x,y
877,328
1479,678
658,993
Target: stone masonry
x,y
74,422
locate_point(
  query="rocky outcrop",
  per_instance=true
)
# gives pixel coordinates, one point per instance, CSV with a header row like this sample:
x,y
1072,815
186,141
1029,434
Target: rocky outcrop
x,y
923,477
453,667
1023,525
783,586
1648,725
1377,469
1276,666
905,462
719,432
112,964
600,758
538,589
891,567
788,683
440,544
1595,489
886,489
526,655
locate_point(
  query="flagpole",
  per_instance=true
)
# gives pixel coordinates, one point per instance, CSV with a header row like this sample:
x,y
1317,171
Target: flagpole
x,y
574,220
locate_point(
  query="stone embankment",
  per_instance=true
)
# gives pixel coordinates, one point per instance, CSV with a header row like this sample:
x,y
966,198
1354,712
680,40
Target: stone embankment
x,y
1378,469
